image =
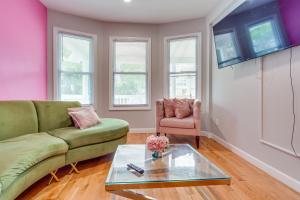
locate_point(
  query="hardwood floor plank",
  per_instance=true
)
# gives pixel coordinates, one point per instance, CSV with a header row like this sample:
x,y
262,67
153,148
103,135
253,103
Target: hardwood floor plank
x,y
248,182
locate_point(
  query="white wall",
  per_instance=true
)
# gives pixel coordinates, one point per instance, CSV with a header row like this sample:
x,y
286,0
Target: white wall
x,y
136,119
239,96
277,100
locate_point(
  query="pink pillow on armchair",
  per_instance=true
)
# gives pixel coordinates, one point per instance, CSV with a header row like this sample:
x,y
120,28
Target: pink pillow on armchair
x,y
182,108
169,108
84,117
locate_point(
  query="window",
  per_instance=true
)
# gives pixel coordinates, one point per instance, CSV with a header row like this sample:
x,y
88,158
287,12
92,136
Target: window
x,y
183,60
74,67
265,37
227,48
130,73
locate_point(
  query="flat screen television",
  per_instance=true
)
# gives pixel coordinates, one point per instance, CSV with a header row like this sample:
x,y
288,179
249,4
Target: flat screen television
x,y
257,28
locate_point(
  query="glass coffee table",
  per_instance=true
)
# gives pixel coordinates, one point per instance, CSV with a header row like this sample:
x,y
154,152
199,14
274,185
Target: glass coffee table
x,y
180,166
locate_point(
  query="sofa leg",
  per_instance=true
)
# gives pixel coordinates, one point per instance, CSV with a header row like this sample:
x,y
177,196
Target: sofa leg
x,y
197,141
157,134
53,176
74,168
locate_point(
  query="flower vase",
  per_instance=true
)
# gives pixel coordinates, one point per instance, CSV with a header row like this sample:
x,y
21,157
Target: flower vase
x,y
157,154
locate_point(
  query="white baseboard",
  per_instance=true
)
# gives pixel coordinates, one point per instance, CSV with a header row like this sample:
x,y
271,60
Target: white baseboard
x,y
207,134
142,130
279,175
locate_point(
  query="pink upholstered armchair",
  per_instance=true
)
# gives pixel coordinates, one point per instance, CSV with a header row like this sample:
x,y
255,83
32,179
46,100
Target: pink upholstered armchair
x,y
190,125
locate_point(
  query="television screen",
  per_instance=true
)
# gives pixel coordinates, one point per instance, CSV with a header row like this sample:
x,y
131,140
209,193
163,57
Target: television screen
x,y
257,28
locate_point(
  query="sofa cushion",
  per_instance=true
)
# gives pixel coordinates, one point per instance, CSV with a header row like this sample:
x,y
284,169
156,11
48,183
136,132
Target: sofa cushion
x,y
54,114
174,122
17,118
21,153
108,130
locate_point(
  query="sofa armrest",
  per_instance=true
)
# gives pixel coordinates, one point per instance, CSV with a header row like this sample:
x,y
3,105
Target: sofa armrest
x,y
159,113
197,114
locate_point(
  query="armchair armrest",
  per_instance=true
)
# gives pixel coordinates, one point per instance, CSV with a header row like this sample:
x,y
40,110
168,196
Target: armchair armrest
x,y
159,113
197,114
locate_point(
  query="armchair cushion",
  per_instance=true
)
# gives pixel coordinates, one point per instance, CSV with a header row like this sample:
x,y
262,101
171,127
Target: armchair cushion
x,y
174,122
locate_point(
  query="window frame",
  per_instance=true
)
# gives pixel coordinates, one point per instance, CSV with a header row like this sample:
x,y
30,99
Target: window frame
x,y
56,62
167,73
112,40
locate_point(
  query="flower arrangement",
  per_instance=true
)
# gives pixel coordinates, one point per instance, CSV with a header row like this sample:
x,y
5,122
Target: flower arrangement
x,y
157,144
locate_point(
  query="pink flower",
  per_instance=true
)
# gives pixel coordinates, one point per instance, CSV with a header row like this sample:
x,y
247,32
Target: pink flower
x,y
157,143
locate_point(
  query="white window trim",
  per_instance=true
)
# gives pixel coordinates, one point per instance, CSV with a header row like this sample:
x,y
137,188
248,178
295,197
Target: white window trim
x,y
56,31
198,57
111,71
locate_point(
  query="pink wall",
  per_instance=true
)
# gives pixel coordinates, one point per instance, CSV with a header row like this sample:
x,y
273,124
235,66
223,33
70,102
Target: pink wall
x,y
23,50
290,11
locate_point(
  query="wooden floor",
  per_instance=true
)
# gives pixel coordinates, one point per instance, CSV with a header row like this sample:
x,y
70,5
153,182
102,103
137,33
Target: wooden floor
x,y
248,182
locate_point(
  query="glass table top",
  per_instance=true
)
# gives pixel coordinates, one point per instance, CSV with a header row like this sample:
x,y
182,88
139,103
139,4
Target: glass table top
x,y
180,162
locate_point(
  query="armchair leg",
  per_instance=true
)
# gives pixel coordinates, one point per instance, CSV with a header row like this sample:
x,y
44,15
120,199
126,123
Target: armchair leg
x,y
197,141
158,134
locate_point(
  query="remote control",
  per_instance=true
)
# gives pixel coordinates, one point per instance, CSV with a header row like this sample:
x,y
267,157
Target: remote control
x,y
136,168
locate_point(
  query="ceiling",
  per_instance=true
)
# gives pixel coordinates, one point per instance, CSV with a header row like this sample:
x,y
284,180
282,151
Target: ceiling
x,y
138,11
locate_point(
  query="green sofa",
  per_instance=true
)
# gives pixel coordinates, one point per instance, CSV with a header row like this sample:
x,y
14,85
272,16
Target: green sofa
x,y
38,137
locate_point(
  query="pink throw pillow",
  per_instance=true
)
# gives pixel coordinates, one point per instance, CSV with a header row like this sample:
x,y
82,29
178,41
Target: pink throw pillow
x,y
169,108
191,103
182,108
85,118
76,109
